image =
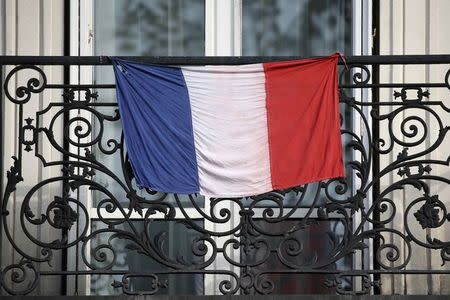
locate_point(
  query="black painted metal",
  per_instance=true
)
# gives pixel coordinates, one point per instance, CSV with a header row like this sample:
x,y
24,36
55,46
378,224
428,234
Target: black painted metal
x,y
246,297
338,200
218,60
66,117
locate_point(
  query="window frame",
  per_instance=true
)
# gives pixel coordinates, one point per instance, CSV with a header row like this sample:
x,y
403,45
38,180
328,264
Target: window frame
x,y
223,37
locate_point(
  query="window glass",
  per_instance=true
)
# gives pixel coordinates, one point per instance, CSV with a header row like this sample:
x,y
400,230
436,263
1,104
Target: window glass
x,y
176,242
312,245
301,28
296,27
149,27
139,27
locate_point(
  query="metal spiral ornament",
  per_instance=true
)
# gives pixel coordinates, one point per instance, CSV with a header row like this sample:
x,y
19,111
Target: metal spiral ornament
x,y
95,211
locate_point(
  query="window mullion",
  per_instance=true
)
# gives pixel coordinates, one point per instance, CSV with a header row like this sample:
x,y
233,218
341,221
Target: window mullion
x,y
223,27
223,37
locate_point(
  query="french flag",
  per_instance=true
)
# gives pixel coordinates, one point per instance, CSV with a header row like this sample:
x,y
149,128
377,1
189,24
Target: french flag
x,y
230,131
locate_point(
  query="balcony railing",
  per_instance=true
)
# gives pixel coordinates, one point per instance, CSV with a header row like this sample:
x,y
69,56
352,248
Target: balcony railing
x,y
71,210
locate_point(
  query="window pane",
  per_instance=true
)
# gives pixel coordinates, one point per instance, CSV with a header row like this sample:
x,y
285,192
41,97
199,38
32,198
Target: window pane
x,y
149,27
296,27
316,242
176,240
301,28
139,27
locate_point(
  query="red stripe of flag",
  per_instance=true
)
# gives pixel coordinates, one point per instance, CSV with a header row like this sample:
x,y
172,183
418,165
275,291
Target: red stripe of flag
x,y
303,121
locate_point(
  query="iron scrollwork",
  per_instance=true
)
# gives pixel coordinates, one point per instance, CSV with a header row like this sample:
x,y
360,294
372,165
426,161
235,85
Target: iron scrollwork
x,y
265,230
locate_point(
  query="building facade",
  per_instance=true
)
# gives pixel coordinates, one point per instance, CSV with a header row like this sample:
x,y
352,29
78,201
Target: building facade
x,y
74,223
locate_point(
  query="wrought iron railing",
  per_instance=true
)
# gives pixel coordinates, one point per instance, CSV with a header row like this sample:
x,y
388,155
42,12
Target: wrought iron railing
x,y
337,236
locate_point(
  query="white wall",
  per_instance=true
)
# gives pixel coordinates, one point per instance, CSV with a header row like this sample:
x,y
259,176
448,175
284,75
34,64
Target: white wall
x,y
31,27
416,27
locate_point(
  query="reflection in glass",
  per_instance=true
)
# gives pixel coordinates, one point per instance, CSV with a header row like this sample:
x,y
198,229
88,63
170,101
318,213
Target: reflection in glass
x,y
296,27
149,27
177,244
316,244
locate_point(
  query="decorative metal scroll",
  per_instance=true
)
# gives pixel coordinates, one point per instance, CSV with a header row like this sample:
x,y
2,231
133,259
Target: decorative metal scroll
x,y
264,247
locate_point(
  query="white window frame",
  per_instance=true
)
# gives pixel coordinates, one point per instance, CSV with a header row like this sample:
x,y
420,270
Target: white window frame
x,y
362,45
223,37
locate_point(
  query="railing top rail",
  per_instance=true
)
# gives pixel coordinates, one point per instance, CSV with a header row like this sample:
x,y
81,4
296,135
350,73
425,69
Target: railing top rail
x,y
218,60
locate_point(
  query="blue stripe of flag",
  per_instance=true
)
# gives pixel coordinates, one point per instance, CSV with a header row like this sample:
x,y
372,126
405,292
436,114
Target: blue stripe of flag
x,y
156,118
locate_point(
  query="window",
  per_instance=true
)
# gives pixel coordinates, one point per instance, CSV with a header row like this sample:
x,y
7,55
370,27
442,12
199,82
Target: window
x,y
140,27
196,28
297,28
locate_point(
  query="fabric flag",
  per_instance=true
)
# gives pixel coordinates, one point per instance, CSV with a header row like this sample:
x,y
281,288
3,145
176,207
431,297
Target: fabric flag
x,y
231,131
